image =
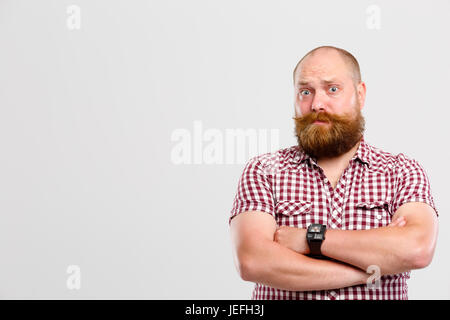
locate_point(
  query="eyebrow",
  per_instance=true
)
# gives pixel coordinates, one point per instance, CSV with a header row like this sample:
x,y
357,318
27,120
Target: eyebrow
x,y
332,80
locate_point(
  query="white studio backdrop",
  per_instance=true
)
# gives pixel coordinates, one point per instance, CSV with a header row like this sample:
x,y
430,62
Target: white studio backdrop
x,y
125,126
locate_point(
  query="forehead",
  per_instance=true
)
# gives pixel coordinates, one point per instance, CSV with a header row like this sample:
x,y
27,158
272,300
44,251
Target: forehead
x,y
324,66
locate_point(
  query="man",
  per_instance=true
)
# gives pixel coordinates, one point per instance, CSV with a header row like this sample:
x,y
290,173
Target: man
x,y
371,215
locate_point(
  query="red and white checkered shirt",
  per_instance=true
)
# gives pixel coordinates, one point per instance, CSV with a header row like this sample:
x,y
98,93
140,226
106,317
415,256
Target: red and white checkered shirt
x,y
289,185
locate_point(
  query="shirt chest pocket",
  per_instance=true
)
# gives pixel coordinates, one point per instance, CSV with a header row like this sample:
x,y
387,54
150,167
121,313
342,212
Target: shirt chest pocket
x,y
369,215
294,213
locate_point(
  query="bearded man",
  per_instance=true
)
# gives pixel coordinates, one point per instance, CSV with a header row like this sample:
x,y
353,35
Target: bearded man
x,y
332,217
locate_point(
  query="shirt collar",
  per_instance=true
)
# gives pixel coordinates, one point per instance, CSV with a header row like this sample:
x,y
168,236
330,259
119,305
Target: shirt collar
x,y
362,154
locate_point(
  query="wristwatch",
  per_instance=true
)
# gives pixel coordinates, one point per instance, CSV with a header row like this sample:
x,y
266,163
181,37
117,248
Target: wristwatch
x,y
315,236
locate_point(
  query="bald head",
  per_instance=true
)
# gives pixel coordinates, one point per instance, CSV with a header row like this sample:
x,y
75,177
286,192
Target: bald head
x,y
349,60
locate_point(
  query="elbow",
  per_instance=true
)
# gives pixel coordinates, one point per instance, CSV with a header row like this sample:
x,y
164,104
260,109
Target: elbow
x,y
421,257
246,269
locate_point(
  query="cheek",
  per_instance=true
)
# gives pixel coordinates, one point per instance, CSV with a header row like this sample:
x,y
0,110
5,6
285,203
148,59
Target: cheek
x,y
353,100
298,104
348,101
304,105
298,110
301,109
341,105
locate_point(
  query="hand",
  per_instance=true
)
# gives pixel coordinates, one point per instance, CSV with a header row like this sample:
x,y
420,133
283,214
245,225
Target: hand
x,y
398,222
292,238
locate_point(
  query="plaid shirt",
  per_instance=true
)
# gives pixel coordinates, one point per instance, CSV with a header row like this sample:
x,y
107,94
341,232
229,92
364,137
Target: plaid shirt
x,y
289,185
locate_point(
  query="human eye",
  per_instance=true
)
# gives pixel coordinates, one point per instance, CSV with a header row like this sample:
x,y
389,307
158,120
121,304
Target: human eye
x,y
333,89
305,92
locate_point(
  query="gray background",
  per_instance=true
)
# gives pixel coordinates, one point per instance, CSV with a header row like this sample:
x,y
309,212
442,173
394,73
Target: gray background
x,y
86,118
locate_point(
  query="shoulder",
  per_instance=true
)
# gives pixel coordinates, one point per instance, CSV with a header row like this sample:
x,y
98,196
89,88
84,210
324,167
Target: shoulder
x,y
388,161
276,160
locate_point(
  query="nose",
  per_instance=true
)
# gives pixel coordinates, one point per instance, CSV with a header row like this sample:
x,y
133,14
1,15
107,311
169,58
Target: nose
x,y
317,106
318,103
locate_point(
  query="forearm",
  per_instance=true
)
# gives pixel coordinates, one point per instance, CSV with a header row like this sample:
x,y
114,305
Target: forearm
x,y
390,248
274,265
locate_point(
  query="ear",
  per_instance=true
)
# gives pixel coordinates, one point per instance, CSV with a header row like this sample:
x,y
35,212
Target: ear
x,y
361,93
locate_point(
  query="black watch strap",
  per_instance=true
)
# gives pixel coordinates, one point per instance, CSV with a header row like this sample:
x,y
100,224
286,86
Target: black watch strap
x,y
315,236
314,248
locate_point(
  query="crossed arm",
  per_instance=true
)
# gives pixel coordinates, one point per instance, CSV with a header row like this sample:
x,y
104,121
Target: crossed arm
x,y
258,258
277,257
394,250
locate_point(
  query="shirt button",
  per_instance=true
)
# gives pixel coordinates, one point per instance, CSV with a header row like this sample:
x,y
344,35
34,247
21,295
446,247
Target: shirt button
x,y
378,216
326,180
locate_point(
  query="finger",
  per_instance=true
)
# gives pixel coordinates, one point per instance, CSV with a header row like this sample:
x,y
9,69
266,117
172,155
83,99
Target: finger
x,y
401,220
393,223
402,223
396,221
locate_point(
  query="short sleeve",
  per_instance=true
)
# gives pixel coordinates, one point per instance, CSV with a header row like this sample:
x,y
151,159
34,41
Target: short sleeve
x,y
413,184
254,191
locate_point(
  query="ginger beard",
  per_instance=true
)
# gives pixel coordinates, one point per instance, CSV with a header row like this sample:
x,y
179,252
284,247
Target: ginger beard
x,y
339,135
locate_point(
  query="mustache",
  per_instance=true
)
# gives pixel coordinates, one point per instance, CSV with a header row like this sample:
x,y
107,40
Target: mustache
x,y
320,116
